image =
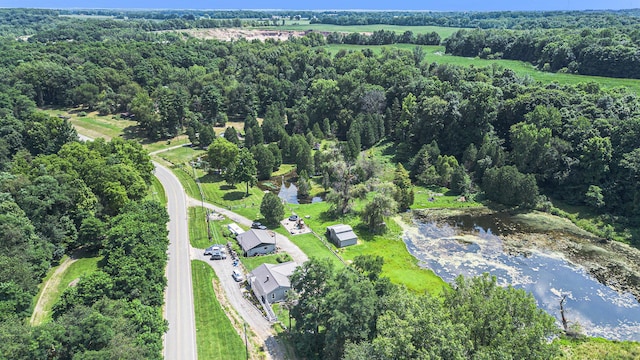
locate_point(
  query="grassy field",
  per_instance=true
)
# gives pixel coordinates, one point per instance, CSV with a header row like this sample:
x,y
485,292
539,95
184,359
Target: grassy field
x,y
156,192
181,155
198,236
400,266
303,25
436,54
216,336
110,126
598,348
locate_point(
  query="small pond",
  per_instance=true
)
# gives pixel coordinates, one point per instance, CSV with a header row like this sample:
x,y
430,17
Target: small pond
x,y
465,248
289,193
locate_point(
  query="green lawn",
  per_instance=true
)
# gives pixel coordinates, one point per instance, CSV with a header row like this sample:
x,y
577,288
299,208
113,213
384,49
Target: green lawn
x,y
253,262
400,266
198,236
216,336
181,155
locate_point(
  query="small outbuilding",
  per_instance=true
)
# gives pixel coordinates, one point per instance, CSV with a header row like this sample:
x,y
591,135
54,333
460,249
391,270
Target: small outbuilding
x,y
235,229
270,282
257,242
342,235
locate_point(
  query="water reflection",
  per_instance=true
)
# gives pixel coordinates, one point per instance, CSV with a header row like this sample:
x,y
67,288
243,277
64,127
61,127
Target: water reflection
x,y
598,309
289,193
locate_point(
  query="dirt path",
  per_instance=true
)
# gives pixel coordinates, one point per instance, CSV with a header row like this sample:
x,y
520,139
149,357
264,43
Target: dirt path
x,y
46,295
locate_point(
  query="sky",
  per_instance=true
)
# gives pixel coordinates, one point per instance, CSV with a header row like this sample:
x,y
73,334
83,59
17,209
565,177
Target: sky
x,y
447,5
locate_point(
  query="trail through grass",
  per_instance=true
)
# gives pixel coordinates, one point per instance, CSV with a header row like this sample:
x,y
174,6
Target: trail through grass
x,y
55,284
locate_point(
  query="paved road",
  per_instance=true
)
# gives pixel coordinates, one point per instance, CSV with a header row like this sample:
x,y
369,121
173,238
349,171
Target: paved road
x,y
180,340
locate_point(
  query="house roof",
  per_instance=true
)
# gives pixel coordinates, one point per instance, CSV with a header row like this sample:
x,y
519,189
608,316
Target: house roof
x,y
254,238
340,228
268,277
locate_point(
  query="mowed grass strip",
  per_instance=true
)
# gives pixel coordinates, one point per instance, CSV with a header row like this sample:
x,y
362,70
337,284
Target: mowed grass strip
x,y
156,192
215,335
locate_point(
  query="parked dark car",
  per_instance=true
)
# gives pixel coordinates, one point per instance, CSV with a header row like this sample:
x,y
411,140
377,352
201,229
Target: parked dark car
x,y
258,225
237,275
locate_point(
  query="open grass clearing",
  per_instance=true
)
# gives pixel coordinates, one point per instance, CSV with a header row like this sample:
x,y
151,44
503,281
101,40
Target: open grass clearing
x,y
111,126
57,281
302,25
198,234
181,155
598,348
400,266
250,263
216,337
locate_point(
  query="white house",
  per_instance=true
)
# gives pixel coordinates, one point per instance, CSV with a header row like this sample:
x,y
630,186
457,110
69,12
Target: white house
x,y
342,235
257,242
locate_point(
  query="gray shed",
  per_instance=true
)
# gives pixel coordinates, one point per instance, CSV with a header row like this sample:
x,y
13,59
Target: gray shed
x,y
270,283
257,242
342,235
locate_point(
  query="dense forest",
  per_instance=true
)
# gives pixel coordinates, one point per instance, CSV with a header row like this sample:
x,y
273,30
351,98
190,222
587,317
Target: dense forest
x,y
59,196
482,132
578,142
611,52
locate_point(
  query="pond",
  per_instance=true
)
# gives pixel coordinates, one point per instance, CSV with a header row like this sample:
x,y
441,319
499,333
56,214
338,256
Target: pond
x,y
465,248
289,193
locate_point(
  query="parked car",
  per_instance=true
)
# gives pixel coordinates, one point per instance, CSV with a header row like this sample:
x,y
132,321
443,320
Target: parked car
x,y
237,275
293,217
214,248
258,225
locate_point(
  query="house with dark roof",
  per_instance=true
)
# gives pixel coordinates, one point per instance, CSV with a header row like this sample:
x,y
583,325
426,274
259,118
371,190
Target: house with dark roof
x,y
270,282
342,235
257,242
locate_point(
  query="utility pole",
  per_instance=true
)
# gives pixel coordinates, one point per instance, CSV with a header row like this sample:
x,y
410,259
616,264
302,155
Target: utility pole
x,y
246,343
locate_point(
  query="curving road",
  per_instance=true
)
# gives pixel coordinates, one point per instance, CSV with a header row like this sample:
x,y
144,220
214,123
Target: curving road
x,y
180,340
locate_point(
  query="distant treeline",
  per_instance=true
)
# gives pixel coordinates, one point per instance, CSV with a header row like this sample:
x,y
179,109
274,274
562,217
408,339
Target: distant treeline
x,y
485,20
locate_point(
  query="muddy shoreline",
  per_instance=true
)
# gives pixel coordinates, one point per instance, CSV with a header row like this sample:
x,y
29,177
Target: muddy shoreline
x,y
614,264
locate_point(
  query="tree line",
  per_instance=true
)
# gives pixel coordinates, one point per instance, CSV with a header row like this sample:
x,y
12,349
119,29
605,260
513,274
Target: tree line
x,y
355,314
611,52
450,124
